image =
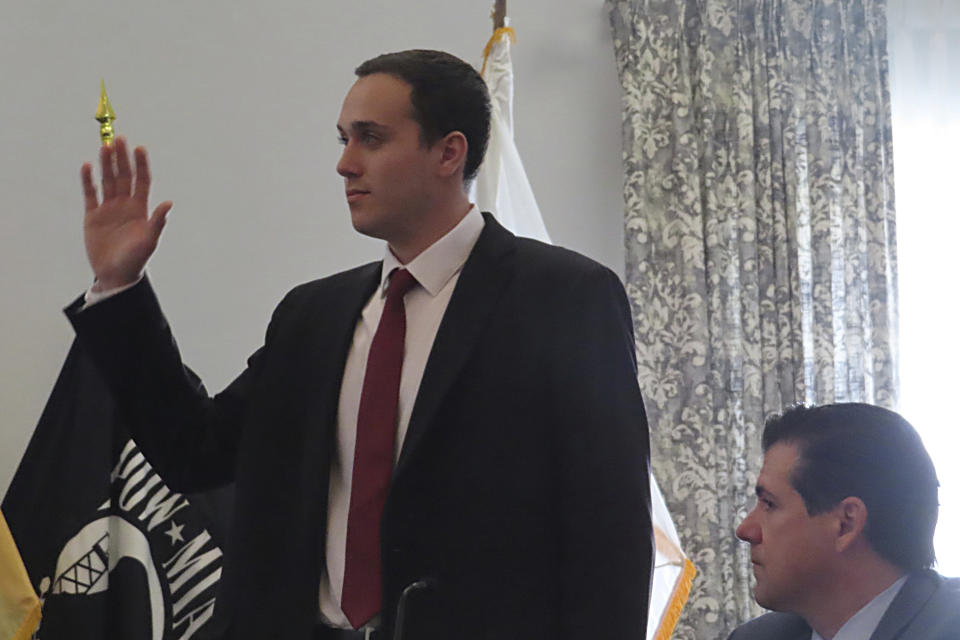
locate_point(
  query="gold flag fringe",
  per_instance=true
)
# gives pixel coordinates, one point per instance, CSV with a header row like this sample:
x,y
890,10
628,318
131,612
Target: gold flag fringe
x,y
677,599
497,35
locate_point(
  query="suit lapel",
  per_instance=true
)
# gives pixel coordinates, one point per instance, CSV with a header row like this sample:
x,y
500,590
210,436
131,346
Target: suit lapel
x,y
802,631
330,331
330,322
918,588
482,281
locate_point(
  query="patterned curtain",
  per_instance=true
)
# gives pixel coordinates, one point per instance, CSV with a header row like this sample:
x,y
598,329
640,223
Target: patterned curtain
x,y
760,239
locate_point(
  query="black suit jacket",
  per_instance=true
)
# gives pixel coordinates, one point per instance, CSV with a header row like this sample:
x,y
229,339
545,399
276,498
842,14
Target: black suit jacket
x,y
521,493
927,608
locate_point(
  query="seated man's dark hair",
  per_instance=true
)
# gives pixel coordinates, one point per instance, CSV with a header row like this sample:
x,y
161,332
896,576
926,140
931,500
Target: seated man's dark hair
x,y
447,95
874,454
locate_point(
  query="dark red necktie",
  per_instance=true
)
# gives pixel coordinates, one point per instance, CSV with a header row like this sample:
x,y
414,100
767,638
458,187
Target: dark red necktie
x,y
373,455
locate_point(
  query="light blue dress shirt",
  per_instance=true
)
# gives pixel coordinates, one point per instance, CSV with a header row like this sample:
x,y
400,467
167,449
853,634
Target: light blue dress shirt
x,y
864,622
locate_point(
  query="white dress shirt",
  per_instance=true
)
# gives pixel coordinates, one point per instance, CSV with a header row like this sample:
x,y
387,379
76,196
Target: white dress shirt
x,y
437,270
864,622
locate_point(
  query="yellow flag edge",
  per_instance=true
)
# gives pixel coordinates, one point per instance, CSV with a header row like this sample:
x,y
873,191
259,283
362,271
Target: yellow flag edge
x,y
30,623
28,601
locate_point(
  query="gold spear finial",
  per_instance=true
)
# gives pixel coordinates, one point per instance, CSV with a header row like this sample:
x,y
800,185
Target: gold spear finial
x,y
105,115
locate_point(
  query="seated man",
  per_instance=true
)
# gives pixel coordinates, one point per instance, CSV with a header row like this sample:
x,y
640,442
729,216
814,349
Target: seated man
x,y
841,537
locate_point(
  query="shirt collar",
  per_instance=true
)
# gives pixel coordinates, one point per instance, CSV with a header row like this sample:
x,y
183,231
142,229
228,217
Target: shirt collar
x,y
865,621
439,262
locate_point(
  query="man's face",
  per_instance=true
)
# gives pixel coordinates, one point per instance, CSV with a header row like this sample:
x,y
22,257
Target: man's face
x,y
792,552
385,165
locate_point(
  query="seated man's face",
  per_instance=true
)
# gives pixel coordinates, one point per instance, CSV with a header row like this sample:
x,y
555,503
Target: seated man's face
x,y
790,550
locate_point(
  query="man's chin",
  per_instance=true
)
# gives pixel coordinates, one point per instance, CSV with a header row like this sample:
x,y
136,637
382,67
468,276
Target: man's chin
x,y
362,223
767,600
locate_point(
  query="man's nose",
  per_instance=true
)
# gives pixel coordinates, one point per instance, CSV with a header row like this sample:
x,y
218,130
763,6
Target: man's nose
x,y
748,531
348,165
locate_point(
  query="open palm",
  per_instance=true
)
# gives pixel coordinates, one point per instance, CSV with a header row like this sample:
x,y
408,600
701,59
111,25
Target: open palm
x,y
118,234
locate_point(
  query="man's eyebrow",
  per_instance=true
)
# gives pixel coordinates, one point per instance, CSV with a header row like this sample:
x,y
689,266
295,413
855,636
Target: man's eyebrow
x,y
763,492
364,125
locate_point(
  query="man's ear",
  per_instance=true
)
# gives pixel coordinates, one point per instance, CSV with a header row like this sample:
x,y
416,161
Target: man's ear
x,y
851,516
453,153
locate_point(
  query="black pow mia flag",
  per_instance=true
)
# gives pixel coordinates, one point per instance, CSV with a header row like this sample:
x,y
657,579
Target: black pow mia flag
x,y
110,549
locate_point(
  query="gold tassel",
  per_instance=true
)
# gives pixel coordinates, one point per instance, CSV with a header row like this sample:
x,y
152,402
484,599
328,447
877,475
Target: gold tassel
x,y
499,33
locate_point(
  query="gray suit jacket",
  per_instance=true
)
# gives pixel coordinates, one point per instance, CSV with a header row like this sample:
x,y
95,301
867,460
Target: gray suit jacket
x,y
927,608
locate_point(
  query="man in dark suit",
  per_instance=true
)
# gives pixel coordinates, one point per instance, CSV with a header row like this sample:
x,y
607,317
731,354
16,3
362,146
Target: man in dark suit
x,y
449,443
842,534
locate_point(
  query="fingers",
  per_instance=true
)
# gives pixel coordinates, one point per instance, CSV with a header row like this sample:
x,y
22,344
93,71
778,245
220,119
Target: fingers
x,y
123,176
159,217
141,189
89,191
106,172
118,177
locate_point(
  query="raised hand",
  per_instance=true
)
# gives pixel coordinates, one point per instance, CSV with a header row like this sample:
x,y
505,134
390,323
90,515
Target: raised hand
x,y
118,234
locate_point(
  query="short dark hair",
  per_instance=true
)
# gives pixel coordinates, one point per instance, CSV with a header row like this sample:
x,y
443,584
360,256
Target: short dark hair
x,y
872,453
447,95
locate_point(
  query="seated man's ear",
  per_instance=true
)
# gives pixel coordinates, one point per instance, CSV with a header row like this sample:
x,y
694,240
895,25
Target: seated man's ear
x,y
851,516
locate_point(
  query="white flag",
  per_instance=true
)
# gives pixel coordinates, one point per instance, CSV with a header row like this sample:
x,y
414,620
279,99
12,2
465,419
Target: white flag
x,y
502,188
672,571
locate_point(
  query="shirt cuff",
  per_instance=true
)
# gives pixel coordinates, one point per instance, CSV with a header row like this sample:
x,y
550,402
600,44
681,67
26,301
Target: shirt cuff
x,y
92,297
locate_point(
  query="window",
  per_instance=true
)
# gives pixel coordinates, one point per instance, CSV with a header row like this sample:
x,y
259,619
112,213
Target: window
x,y
924,53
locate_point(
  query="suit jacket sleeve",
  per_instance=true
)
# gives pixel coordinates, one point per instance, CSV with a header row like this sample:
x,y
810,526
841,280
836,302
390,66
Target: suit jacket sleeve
x,y
603,442
190,437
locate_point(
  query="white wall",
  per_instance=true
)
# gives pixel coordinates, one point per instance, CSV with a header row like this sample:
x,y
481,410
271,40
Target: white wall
x,y
237,104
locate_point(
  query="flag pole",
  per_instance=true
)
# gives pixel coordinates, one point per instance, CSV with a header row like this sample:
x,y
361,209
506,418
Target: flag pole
x,y
498,14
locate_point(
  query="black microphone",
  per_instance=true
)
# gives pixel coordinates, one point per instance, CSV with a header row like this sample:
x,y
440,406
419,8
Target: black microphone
x,y
418,586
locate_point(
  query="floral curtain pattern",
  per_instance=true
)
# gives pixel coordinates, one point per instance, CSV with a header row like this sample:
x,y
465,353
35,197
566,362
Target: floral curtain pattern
x,y
760,243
